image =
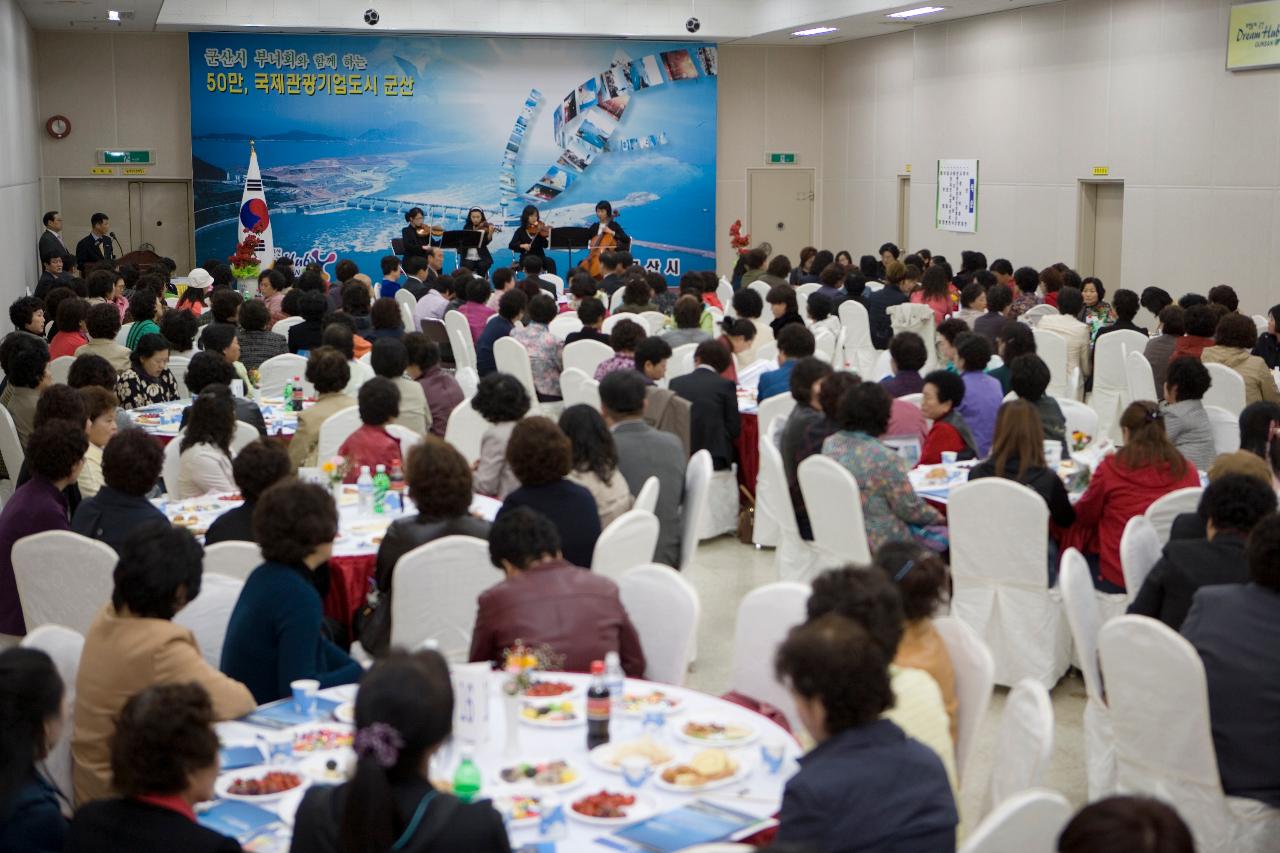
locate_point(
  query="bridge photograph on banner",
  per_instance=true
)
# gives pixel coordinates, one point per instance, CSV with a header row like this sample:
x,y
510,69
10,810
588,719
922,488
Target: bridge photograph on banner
x,y
319,145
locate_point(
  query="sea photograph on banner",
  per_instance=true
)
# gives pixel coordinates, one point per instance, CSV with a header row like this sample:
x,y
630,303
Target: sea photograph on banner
x,y
316,147
956,203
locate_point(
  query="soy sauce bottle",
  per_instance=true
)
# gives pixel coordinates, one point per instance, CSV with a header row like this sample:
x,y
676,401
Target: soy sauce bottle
x,y
597,707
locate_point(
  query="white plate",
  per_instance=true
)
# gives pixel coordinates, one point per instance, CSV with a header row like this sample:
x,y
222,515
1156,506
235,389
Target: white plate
x,y
599,757
744,770
641,809
578,720
527,783
287,805
751,734
502,802
315,767
668,706
343,728
345,713
573,692
225,781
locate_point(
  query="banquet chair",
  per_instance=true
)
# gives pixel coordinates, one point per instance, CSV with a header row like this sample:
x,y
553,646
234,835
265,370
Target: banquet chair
x,y
655,321
681,361
178,367
1081,602
1139,377
1110,379
1157,693
246,434
565,325
883,367
1164,509
647,497
765,352
208,614
724,292
281,327
796,559
465,430
770,413
405,298
859,352
171,464
122,336
455,322
511,357
1033,314
572,381
999,567
614,319
232,558
765,615
1025,744
917,318
1226,389
803,291
591,394
697,494
407,438
63,646
664,608
434,593
464,349
615,300
63,578
1052,348
335,430
1259,322
762,288
553,279
1082,418
277,371
628,541
11,450
975,678
1029,822
1226,429
917,398
60,367
586,356
1140,549
824,346
834,503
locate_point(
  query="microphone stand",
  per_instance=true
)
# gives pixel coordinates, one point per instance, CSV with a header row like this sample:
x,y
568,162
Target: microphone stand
x,y
113,236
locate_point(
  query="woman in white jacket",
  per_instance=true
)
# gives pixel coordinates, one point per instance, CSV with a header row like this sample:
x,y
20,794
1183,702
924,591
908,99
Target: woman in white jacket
x,y
205,460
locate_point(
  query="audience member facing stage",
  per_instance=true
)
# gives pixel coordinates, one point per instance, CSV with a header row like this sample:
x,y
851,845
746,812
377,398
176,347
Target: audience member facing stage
x,y
501,400
257,343
625,337
1234,342
804,430
1185,420
32,715
793,344
1268,346
714,421
102,323
983,394
1014,339
1029,379
390,360
256,468
329,373
371,444
511,307
546,600
131,464
1126,825
907,355
100,408
25,362
443,393
591,312
204,466
546,351
211,368
1200,322
595,461
179,328
307,335
148,379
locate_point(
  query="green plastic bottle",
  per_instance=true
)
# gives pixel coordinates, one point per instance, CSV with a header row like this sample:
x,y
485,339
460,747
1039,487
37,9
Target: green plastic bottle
x,y
381,483
466,781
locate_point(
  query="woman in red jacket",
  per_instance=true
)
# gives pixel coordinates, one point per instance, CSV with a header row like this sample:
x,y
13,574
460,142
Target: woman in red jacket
x,y
1146,468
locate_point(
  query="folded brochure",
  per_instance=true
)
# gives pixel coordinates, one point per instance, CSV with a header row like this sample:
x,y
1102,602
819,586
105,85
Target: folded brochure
x,y
699,822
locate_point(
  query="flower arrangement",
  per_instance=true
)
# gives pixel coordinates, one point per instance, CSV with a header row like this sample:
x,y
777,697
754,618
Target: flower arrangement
x,y
737,239
520,662
245,262
1079,441
335,470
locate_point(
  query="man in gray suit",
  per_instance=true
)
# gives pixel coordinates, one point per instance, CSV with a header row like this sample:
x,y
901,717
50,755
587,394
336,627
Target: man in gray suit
x,y
644,452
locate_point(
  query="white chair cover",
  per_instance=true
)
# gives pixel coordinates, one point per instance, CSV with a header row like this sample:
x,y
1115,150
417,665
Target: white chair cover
x,y
627,542
912,317
1226,429
1080,417
761,288
883,367
407,438
1025,744
406,317
281,327
586,356
765,615
1226,389
1080,602
1164,749
591,394
999,568
664,609
975,678
724,292
511,357
681,361
464,348
465,430
1139,377
824,344
171,464
803,291
1259,322
335,430
1052,348
246,435
207,616
834,504
1165,508
565,325
615,319
796,559
233,558
434,593
572,381
647,497
1029,822
122,336
60,367
765,352
859,352
10,446
405,298
554,279
1034,313
697,495
277,371
468,379
918,398
1110,378
721,515
63,578
63,646
655,320
178,367
1140,549
764,530
615,300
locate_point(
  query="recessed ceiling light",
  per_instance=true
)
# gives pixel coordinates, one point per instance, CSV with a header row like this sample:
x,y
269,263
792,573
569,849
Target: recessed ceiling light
x,y
912,13
113,15
815,31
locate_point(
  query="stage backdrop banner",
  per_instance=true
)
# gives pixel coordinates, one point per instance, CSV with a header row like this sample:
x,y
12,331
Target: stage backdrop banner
x,y
352,131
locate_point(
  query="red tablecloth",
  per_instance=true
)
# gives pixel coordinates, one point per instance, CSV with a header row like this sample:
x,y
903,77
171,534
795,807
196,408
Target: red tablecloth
x,y
748,446
348,585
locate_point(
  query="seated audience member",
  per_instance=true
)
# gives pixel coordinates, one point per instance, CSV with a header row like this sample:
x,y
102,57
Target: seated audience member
x,y
937,292
275,635
224,308
595,461
1076,333
737,337
1200,322
818,308
131,464
782,301
51,300
982,393
1013,340
591,312
134,644
989,324
1234,341
832,280
940,402
923,583
541,457
890,507
403,714
1097,312
148,379
256,468
32,716
1235,628
973,303
221,338
748,305
1155,300
103,324
371,444
949,332
501,400
652,356
59,402
100,408
164,762
547,600
340,334
390,360
1145,468
754,267
1125,308
204,466
476,308
386,321
866,785
1029,378
25,362
329,373
1185,420
1268,346
900,281
503,281
1053,279
443,393
210,368
272,290
714,421
179,328
1232,505
307,335
1126,825
625,337
687,315
792,346
27,315
546,351
805,428
55,455
906,356
257,342
1225,296
645,452
511,308
145,310
637,297
356,303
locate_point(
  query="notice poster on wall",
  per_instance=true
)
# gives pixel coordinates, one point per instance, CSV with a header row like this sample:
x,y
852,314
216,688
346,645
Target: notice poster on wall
x,y
957,200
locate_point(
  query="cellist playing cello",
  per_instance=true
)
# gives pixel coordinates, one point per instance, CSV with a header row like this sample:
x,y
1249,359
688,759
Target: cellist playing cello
x,y
605,233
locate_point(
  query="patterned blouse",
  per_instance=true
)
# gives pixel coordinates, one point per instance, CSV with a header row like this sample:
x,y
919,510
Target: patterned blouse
x,y
135,389
617,361
1022,303
546,357
890,507
1101,314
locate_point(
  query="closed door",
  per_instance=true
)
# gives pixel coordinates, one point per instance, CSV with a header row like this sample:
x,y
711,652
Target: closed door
x,y
1100,231
83,197
781,205
162,211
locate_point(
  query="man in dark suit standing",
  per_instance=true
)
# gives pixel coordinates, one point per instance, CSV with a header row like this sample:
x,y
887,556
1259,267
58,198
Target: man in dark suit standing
x,y
51,239
96,246
715,422
644,452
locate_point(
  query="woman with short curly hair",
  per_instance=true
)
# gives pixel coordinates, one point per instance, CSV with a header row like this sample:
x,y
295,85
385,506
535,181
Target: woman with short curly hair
x,y
501,400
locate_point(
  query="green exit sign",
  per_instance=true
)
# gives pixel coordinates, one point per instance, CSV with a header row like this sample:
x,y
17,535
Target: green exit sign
x,y
781,158
113,157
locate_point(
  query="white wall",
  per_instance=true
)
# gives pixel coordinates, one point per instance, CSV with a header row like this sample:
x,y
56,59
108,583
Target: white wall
x,y
1041,95
19,157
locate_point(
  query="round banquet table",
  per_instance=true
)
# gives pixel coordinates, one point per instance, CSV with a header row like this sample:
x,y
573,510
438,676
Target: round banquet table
x,y
757,792
162,419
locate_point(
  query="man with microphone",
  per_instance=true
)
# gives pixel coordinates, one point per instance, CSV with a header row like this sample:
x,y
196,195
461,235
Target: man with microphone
x,y
96,246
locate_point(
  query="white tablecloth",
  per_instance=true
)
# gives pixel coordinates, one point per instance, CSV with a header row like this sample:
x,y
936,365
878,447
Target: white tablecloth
x,y
162,419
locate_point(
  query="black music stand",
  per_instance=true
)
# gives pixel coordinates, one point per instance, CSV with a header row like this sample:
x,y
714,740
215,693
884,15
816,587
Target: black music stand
x,y
569,239
460,242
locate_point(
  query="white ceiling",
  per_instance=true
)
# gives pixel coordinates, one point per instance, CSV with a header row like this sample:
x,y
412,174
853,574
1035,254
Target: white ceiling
x,y
750,21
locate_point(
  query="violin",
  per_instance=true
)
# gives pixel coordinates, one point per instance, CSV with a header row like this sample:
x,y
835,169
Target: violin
x,y
431,231
540,229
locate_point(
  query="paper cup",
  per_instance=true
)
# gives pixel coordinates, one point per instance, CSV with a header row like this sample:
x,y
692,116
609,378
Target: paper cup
x,y
304,696
949,457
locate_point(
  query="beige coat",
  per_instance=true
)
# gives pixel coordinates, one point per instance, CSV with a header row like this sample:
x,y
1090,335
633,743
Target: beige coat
x,y
612,500
124,654
1259,383
302,449
1076,335
414,413
108,349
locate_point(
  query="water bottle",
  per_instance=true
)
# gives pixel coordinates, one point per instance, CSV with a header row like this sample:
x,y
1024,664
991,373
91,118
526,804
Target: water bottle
x,y
295,400
381,482
614,677
466,780
364,488
597,708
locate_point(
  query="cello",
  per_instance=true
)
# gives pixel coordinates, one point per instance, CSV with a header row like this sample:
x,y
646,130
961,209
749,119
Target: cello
x,y
598,245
